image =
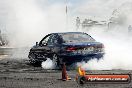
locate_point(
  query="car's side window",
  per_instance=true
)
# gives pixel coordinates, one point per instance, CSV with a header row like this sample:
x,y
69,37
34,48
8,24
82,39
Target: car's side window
x,y
53,40
50,41
45,41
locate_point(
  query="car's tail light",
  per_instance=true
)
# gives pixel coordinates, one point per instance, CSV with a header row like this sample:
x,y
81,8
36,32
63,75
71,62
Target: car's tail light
x,y
71,49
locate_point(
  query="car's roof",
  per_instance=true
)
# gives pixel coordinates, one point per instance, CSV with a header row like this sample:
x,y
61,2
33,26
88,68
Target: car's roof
x,y
68,33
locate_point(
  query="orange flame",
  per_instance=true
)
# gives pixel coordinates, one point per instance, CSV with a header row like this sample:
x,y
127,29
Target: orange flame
x,y
81,71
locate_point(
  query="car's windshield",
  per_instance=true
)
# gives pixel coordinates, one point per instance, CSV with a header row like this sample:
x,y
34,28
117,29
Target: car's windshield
x,y
76,37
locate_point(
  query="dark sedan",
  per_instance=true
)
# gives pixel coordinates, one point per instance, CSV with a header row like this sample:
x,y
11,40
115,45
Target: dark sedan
x,y
68,47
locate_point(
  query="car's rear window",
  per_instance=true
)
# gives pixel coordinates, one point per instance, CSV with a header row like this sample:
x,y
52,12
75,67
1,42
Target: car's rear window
x,y
76,37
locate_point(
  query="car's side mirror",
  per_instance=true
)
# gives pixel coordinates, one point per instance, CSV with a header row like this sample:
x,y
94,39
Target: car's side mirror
x,y
36,43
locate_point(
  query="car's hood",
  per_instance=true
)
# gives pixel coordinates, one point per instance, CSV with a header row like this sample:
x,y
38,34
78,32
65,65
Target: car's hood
x,y
83,44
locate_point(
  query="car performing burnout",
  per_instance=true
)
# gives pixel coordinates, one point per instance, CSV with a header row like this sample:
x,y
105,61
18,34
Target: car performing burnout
x,y
67,47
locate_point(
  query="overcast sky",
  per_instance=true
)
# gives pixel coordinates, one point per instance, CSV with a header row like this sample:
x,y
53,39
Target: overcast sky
x,y
100,8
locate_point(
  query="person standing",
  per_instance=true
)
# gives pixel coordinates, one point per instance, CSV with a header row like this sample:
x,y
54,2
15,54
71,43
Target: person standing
x,y
129,28
77,23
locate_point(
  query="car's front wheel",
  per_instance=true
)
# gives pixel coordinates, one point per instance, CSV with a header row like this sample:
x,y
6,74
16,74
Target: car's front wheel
x,y
33,61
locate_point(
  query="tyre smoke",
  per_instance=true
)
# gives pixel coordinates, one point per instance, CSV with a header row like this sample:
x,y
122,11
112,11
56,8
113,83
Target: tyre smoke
x,y
48,64
28,21
117,40
117,50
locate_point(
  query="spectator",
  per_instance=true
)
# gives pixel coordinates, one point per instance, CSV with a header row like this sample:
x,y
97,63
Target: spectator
x,y
78,22
129,28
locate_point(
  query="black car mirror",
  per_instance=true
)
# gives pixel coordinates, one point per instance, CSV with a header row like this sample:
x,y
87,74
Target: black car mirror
x,y
36,43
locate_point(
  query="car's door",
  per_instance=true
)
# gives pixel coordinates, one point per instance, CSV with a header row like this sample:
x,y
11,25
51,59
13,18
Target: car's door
x,y
54,44
42,50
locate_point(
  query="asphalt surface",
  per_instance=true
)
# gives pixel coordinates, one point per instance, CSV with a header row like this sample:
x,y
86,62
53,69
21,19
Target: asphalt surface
x,y
18,73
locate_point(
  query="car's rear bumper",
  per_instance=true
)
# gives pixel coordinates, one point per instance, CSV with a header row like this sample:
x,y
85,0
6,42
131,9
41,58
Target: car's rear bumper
x,y
69,59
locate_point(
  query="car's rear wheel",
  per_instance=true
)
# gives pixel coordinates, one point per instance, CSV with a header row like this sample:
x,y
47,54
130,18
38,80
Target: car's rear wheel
x,y
56,60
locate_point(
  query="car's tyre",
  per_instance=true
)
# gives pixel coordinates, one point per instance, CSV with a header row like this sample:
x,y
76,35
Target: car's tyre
x,y
56,60
32,60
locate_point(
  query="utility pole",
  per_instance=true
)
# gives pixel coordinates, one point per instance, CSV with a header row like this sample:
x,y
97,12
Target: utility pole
x,y
66,11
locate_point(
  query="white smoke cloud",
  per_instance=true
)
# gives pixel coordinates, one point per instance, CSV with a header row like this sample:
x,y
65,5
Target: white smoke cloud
x,y
117,39
27,21
117,50
98,8
48,64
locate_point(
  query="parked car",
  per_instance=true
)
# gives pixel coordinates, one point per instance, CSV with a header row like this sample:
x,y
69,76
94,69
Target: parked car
x,y
67,47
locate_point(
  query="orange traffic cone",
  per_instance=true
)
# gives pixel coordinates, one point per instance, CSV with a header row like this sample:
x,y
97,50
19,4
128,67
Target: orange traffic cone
x,y
65,77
